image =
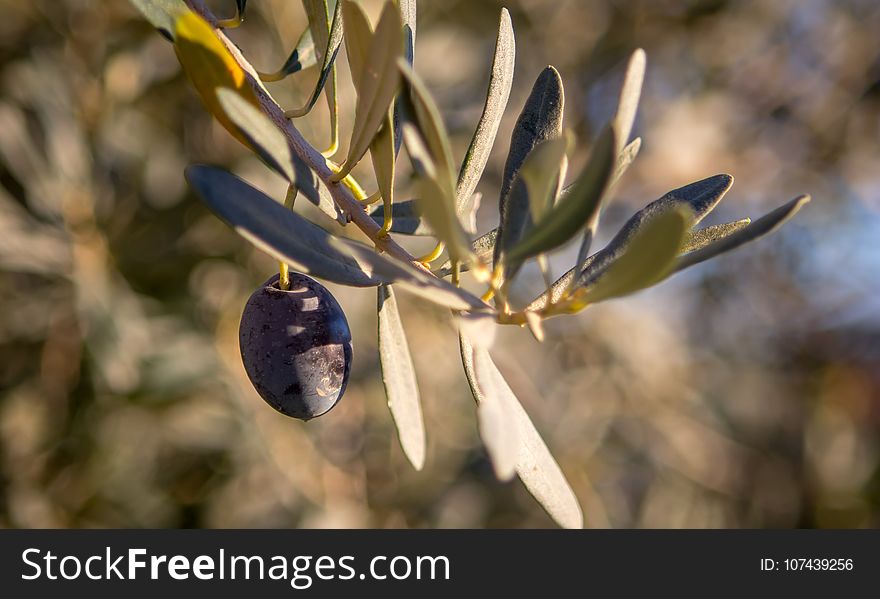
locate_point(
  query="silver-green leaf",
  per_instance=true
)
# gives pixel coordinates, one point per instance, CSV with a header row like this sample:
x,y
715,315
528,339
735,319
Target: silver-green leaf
x,y
540,120
328,61
399,377
645,259
575,208
755,230
699,197
275,229
535,465
377,82
500,81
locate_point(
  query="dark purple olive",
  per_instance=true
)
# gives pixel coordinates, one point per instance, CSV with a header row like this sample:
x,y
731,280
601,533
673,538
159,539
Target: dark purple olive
x,y
296,346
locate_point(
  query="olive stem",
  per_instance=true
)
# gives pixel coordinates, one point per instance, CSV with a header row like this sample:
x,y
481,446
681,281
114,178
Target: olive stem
x,y
353,210
283,269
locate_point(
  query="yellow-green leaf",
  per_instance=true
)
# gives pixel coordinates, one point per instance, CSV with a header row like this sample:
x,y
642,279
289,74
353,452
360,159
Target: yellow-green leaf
x,y
647,259
575,208
377,83
209,65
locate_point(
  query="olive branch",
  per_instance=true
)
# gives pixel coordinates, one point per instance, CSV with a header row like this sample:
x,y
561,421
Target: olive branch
x,y
538,212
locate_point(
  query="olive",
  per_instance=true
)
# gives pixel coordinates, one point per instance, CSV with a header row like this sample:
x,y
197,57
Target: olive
x,y
296,346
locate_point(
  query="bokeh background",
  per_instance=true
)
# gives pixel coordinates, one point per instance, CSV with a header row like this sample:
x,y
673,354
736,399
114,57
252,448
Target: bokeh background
x,y
743,393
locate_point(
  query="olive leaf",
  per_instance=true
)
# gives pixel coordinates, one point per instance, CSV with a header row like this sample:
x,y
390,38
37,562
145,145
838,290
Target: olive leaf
x,y
418,282
428,147
292,239
535,465
265,138
531,196
700,238
628,101
482,247
622,124
700,197
624,158
408,12
383,158
755,230
574,209
318,14
162,14
271,145
407,219
539,120
358,36
377,82
399,378
328,60
497,425
275,229
500,81
209,65
301,57
645,258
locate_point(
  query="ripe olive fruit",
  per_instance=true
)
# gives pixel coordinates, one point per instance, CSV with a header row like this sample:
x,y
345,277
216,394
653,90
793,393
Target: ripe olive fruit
x,y
296,346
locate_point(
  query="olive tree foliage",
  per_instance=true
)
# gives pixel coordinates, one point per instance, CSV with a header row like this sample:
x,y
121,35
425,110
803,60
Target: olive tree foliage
x,y
538,212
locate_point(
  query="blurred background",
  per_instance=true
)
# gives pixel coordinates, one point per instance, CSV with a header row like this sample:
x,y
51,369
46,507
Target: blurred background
x,y
742,393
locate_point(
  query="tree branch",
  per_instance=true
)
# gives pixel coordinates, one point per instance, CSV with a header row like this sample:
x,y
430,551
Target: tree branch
x,y
353,210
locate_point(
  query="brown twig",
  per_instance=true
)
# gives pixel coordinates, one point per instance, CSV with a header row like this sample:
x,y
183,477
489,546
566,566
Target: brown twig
x,y
352,209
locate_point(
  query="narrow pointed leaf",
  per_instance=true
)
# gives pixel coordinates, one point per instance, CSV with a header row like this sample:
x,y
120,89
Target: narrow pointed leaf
x,y
533,192
162,14
497,424
482,247
647,258
624,159
265,138
428,147
540,120
535,465
575,208
416,281
328,59
437,208
408,12
399,378
358,36
628,101
407,220
377,83
700,197
303,56
382,156
318,14
209,65
500,81
275,229
271,145
622,124
700,238
290,238
421,112
755,230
